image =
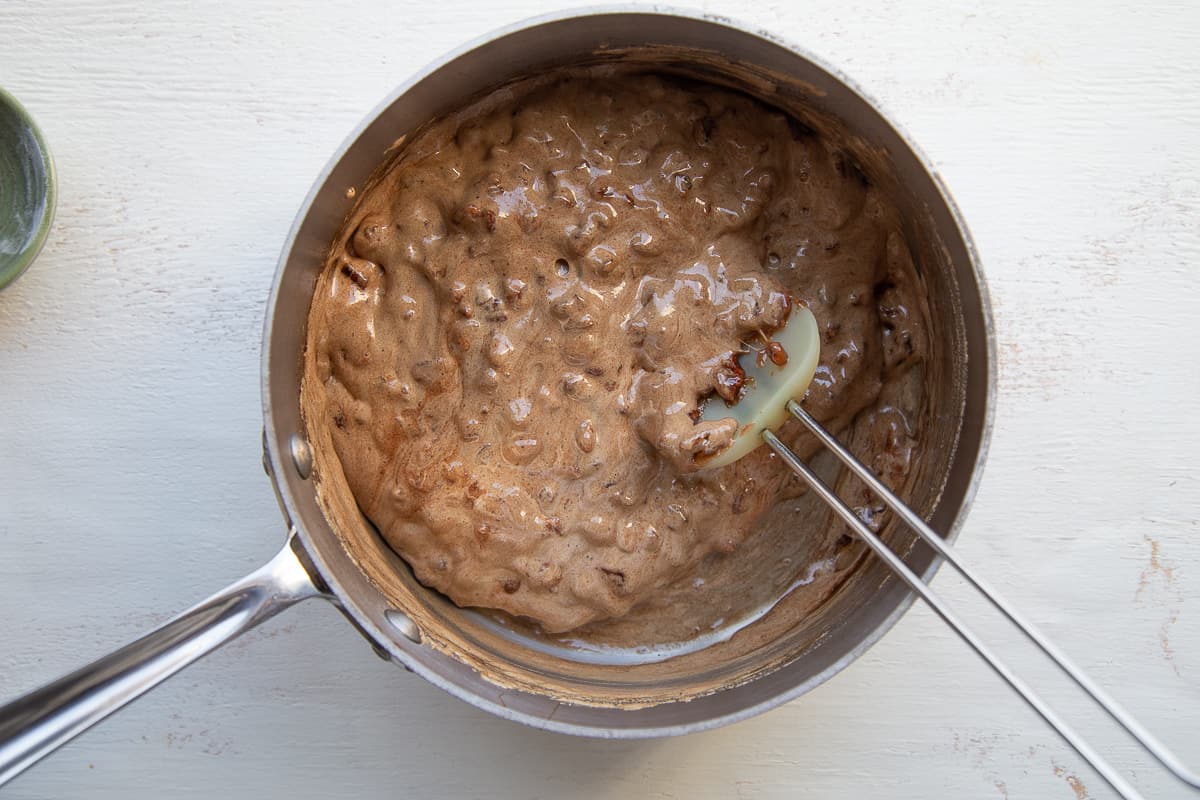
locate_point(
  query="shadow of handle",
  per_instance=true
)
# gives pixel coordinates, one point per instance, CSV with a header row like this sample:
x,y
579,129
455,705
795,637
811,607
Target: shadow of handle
x,y
34,725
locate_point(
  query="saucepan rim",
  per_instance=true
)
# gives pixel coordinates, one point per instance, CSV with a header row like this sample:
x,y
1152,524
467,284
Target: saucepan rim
x,y
288,485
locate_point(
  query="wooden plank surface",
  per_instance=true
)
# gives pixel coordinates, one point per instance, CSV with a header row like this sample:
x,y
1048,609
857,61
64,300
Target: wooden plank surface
x,y
186,134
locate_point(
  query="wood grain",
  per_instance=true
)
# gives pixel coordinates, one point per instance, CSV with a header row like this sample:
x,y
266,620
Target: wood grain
x,y
186,135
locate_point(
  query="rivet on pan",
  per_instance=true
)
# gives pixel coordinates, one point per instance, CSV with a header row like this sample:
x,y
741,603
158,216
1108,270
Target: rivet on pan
x,y
301,455
403,623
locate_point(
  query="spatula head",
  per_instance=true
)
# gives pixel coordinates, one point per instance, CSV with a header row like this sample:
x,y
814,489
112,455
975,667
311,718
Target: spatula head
x,y
779,371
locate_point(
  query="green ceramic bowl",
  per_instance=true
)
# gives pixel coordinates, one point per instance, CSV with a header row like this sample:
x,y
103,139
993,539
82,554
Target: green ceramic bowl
x,y
27,193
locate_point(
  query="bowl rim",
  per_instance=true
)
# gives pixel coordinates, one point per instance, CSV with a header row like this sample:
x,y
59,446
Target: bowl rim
x,y
10,105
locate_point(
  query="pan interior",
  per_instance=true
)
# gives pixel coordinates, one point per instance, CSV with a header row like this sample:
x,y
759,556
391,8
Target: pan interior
x,y
781,649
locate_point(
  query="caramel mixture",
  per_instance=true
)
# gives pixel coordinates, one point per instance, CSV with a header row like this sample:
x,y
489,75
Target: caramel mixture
x,y
523,313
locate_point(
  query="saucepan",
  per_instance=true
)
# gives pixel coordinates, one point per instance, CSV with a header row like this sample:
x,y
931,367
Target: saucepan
x,y
331,552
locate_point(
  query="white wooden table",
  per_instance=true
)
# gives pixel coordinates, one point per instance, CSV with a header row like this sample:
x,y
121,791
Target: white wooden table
x,y
130,486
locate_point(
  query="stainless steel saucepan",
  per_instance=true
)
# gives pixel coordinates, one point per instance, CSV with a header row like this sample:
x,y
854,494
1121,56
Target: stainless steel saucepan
x,y
332,553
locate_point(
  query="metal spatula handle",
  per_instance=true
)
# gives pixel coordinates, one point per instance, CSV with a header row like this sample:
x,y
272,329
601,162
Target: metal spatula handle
x,y
1126,720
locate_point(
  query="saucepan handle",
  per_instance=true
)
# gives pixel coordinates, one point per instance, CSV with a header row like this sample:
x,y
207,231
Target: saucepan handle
x,y
35,724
